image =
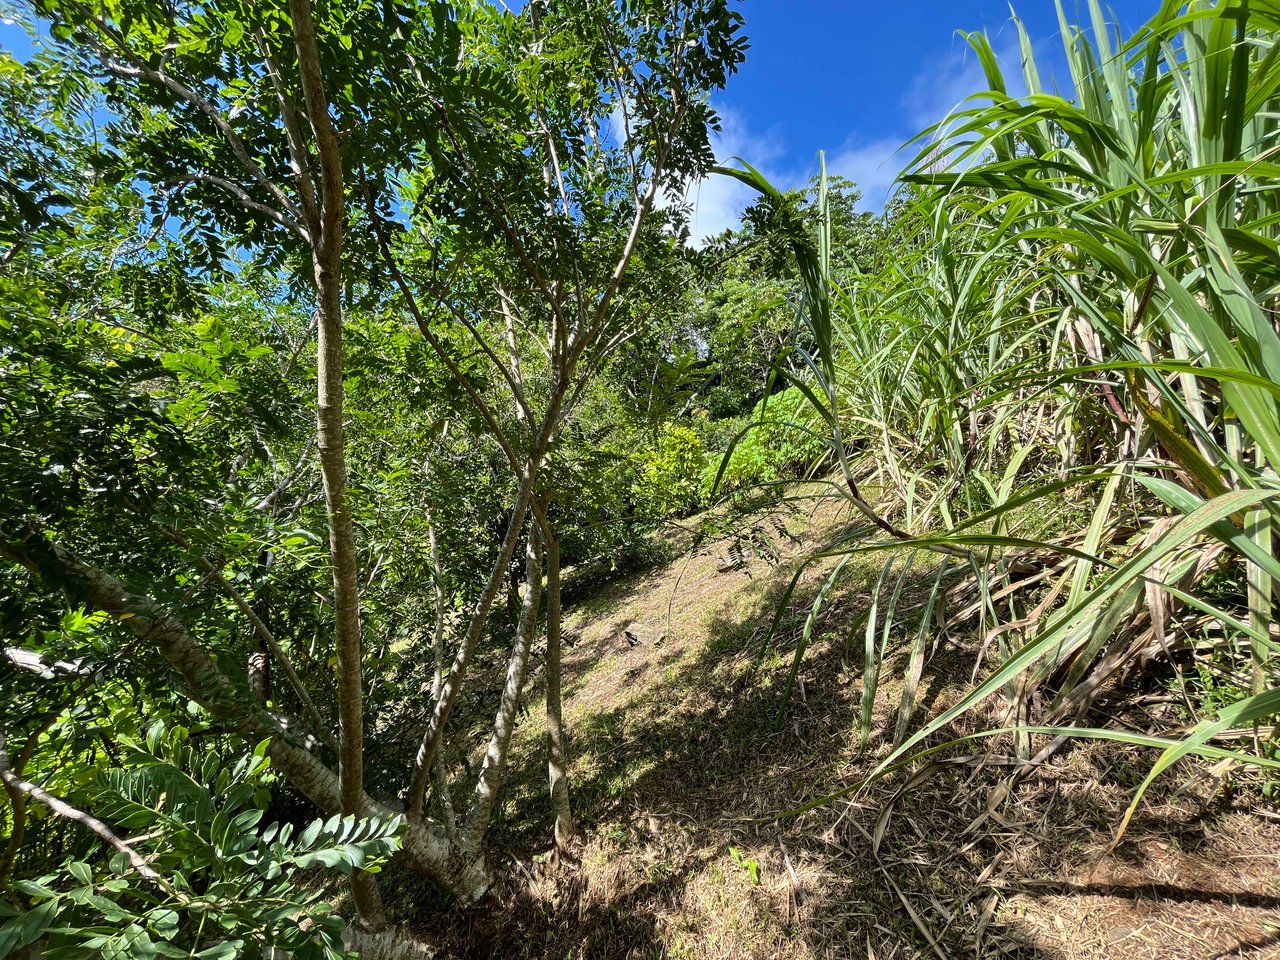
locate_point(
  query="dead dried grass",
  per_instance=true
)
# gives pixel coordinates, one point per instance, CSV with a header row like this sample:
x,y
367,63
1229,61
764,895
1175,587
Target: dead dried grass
x,y
680,769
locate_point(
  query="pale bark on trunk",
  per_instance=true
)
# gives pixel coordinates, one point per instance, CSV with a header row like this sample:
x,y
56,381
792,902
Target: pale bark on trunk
x,y
495,757
433,737
17,831
259,653
557,769
326,256
438,779
346,583
437,634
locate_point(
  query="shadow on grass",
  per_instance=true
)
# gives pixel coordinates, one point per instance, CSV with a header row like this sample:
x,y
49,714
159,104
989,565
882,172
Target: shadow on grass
x,y
679,783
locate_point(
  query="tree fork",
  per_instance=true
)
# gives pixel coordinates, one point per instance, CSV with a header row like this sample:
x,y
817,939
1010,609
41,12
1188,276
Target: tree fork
x,y
504,721
557,767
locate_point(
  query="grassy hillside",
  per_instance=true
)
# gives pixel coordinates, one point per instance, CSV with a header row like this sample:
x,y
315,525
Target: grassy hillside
x,y
686,761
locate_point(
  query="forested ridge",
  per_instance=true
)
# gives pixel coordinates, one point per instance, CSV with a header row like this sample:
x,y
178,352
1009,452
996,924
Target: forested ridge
x,y
415,541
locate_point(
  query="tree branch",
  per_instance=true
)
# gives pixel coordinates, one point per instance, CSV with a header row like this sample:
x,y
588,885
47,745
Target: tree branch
x,y
326,259
138,68
298,153
437,347
486,790
65,810
426,843
241,195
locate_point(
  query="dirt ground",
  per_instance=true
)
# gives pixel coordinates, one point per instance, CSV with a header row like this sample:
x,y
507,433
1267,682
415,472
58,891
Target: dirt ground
x,y
683,761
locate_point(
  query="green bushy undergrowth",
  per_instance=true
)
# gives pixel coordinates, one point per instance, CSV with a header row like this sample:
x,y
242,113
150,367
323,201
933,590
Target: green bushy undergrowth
x,y
780,440
669,477
221,886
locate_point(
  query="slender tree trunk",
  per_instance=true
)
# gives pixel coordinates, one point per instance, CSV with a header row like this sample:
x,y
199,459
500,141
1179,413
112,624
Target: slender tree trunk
x,y
17,831
438,779
477,822
557,770
259,653
433,736
437,636
514,605
346,582
326,257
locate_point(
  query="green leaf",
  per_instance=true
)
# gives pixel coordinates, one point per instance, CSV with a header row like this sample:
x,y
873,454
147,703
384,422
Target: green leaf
x,y
28,927
32,888
1254,709
165,923
226,950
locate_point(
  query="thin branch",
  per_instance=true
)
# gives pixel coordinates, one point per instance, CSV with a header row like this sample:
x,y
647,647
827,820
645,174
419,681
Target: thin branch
x,y
65,810
241,195
498,210
260,628
18,799
432,737
511,377
298,154
294,472
486,789
513,353
424,327
30,660
138,68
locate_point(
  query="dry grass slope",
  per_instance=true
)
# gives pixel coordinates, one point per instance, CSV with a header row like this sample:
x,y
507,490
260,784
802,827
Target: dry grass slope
x,y
681,764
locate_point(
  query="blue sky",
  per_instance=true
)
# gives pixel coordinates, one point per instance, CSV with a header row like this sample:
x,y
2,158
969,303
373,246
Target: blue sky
x,y
856,78
14,40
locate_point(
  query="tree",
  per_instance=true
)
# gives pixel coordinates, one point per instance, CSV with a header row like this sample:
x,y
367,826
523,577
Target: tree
x,y
409,155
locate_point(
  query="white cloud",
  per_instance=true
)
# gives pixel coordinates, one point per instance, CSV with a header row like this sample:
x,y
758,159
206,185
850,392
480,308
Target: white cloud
x,y
940,88
717,202
872,166
937,90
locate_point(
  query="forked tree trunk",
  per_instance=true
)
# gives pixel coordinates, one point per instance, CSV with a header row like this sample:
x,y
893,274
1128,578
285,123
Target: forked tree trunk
x,y
504,722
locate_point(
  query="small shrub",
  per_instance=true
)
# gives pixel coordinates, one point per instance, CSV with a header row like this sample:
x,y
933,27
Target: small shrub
x,y
670,477
224,886
781,444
